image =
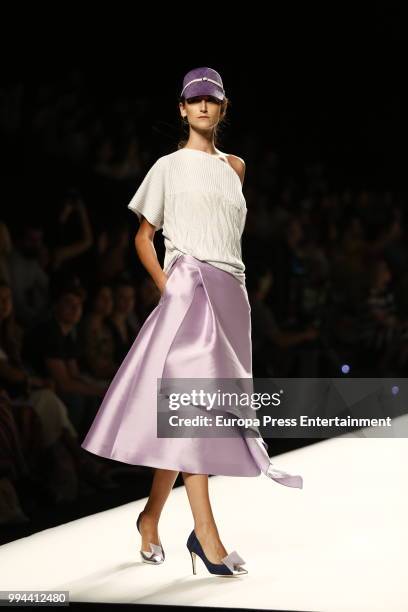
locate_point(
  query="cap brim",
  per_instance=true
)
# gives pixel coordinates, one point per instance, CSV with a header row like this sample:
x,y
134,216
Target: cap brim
x,y
203,89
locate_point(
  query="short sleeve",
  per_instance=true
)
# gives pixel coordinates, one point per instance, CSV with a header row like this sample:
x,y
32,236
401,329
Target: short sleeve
x,y
149,197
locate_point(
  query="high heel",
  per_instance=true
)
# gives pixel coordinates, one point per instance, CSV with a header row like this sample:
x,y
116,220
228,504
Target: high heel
x,y
230,566
156,556
193,561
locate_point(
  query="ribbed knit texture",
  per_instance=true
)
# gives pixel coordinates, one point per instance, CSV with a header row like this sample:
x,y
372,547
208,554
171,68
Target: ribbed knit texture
x,y
196,199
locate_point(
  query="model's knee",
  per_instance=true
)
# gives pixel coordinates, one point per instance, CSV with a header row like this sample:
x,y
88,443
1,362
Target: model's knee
x,y
198,476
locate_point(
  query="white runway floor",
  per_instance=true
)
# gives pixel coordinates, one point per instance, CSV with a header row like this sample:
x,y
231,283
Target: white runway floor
x,y
339,544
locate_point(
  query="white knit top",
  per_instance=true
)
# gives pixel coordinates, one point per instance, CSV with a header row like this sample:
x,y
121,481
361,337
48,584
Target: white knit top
x,y
197,200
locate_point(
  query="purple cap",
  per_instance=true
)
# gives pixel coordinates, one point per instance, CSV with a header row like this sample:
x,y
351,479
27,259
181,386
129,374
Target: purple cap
x,y
203,82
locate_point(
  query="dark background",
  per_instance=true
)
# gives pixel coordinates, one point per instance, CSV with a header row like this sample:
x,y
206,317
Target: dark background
x,y
318,112
311,82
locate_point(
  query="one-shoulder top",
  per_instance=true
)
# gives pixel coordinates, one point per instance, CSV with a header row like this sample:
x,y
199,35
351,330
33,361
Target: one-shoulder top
x,y
196,199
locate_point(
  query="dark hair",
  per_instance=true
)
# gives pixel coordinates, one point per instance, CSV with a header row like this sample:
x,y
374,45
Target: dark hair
x,y
59,292
218,128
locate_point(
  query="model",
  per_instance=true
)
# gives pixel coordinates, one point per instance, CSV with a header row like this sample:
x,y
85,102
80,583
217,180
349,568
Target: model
x,y
201,327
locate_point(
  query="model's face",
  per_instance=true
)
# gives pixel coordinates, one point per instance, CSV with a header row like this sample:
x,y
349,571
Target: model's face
x,y
202,112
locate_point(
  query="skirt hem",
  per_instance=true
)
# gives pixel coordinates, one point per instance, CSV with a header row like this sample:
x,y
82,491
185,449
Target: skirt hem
x,y
143,462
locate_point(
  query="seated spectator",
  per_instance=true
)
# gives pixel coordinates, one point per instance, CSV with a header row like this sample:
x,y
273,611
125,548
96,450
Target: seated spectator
x,y
29,282
120,321
113,259
349,264
16,379
288,268
268,339
65,248
65,455
14,467
51,349
381,329
97,355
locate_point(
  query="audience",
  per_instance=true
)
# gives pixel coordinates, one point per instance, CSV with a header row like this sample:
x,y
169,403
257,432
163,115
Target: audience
x,y
21,450
64,462
382,331
28,279
271,344
51,348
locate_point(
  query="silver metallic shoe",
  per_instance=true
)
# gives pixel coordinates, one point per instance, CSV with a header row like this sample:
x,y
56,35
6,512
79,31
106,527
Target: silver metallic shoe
x,y
156,556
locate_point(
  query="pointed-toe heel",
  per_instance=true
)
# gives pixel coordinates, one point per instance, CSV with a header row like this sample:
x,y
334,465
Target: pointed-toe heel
x,y
231,564
156,554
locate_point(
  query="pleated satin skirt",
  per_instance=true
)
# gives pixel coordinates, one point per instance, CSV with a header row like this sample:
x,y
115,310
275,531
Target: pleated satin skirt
x,y
201,328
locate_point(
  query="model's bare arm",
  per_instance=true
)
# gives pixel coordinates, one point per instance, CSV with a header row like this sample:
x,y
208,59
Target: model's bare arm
x,y
238,165
147,253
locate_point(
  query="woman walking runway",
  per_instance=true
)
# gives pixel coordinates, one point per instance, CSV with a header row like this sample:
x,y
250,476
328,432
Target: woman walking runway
x,y
201,327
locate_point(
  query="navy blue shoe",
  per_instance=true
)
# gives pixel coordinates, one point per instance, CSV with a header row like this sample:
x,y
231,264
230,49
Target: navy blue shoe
x,y
230,566
156,554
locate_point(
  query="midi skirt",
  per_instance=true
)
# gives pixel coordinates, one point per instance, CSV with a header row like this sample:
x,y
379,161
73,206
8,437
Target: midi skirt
x,y
200,328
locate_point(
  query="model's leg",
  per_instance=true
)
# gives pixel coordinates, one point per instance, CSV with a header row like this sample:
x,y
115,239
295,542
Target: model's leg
x,y
204,523
163,482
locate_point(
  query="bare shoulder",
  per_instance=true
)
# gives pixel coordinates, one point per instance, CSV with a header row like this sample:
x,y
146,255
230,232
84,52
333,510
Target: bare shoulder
x,y
238,165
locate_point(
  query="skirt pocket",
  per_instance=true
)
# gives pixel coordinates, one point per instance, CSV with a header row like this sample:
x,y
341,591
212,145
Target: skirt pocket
x,y
169,273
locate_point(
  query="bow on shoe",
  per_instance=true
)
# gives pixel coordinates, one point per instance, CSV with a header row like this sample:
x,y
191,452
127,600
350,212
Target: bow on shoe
x,y
233,559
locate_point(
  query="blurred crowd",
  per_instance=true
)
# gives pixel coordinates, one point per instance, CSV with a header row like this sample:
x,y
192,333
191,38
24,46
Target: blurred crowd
x,y
326,268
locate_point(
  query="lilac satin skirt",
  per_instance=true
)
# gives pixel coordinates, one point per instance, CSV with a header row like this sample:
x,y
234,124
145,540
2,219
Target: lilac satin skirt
x,y
201,328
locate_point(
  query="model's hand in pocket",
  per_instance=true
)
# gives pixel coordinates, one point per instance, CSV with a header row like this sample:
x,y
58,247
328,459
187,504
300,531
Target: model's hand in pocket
x,y
163,284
